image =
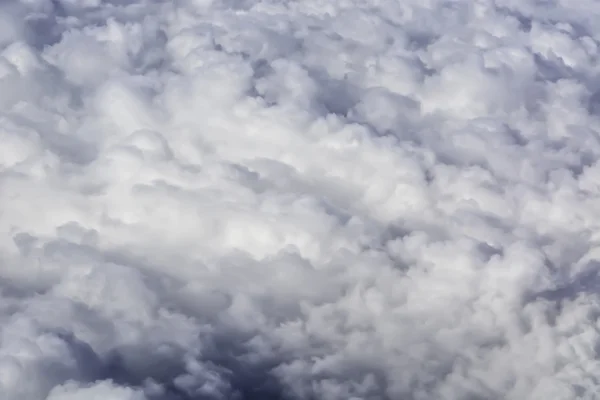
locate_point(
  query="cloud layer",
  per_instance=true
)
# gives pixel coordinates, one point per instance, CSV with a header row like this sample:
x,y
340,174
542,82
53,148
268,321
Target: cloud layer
x,y
325,200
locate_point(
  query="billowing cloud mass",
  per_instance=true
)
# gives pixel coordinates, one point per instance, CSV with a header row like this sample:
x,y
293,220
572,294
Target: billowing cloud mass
x,y
299,200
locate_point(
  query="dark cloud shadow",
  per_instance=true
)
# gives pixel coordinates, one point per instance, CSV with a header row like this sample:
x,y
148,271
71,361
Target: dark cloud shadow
x,y
586,282
227,367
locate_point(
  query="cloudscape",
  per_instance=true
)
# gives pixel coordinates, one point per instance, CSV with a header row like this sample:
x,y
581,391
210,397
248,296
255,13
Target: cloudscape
x,y
299,200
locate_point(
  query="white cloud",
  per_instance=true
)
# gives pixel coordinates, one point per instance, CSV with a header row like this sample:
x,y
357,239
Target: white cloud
x,y
317,199
96,392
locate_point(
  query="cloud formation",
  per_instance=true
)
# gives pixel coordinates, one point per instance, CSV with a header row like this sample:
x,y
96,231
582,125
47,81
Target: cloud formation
x,y
327,200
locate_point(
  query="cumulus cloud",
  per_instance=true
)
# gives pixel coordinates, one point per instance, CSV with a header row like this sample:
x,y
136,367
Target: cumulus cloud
x,y
299,200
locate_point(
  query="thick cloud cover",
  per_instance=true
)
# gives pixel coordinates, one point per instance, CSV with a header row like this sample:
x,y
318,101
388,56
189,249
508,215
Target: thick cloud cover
x,y
317,199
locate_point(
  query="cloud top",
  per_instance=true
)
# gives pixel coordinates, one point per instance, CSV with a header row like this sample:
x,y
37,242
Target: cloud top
x,y
334,200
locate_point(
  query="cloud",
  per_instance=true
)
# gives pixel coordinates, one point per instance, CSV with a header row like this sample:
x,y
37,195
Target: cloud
x,y
98,391
298,200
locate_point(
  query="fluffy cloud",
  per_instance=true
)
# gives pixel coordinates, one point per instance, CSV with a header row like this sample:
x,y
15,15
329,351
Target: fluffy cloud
x,y
299,200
